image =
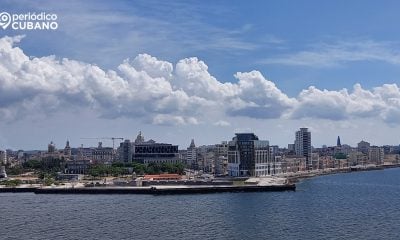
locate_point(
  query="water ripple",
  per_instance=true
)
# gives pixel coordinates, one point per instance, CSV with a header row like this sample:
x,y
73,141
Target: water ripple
x,y
345,206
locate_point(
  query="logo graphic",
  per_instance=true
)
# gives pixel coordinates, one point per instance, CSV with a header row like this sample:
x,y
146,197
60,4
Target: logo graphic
x,y
5,20
29,21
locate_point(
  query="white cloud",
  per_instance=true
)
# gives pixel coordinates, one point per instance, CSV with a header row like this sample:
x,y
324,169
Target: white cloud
x,y
330,55
153,90
258,97
173,120
381,102
222,123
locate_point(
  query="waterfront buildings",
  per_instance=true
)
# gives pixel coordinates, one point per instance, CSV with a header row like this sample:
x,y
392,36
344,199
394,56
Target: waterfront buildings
x,y
142,151
221,158
241,159
303,145
376,155
125,151
246,155
152,152
357,158
103,155
292,163
206,158
76,166
249,156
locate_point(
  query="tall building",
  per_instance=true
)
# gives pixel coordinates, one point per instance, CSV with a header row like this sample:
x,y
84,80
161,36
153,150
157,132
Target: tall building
x,y
303,145
363,147
125,151
221,158
191,155
3,157
338,144
248,156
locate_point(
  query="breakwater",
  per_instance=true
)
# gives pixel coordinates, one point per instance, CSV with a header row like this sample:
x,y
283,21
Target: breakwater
x,y
165,190
152,190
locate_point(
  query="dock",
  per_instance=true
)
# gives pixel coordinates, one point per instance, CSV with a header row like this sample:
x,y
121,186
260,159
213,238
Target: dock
x,y
163,190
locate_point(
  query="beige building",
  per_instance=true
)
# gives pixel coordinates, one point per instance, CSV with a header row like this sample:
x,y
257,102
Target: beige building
x,y
375,155
293,164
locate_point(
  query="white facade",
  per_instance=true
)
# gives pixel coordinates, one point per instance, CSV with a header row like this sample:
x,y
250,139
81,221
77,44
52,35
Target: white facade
x,y
265,163
302,145
191,155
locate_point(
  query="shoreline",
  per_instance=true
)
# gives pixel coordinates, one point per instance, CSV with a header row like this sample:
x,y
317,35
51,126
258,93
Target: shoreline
x,y
153,190
290,185
293,178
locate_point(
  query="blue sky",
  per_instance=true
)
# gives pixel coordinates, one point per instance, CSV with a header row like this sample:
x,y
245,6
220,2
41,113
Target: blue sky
x,y
330,45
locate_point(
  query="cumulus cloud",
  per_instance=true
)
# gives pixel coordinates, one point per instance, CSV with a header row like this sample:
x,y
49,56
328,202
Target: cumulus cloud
x,y
160,93
259,98
380,102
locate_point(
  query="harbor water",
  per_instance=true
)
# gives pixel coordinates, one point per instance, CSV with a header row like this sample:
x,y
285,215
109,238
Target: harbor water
x,y
359,205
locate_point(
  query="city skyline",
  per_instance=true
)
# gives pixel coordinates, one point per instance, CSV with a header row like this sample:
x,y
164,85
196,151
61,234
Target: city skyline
x,y
143,67
114,142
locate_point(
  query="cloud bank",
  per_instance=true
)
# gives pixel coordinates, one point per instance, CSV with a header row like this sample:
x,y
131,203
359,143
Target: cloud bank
x,y
159,92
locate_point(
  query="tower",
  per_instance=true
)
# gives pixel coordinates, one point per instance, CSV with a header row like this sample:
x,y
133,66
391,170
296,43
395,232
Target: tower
x,y
191,155
51,148
67,149
303,145
338,142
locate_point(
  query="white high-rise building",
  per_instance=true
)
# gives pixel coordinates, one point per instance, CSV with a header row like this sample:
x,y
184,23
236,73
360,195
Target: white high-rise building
x,y
191,155
302,145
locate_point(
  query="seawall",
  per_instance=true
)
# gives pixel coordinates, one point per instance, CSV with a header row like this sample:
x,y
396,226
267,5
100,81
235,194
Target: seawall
x,y
165,190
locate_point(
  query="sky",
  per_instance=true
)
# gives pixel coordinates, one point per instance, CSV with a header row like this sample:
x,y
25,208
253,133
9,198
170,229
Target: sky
x,y
178,70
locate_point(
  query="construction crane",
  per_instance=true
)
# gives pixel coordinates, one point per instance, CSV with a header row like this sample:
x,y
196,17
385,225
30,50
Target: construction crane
x,y
112,138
